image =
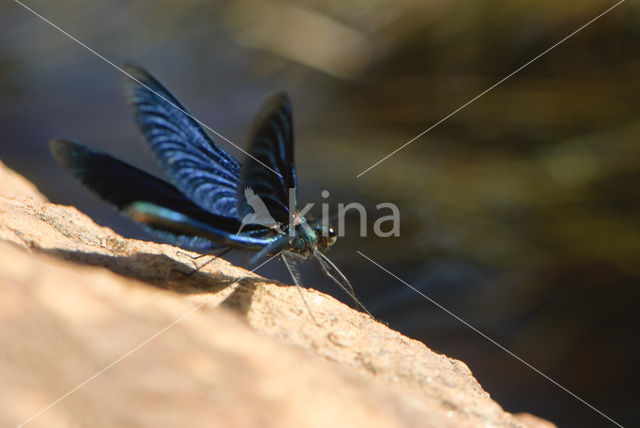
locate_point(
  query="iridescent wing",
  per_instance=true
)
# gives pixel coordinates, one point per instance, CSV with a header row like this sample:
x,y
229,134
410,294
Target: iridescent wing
x,y
202,171
155,203
270,171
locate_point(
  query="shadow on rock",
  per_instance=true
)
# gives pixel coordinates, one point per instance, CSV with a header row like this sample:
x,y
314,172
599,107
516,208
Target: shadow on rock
x,y
240,300
161,271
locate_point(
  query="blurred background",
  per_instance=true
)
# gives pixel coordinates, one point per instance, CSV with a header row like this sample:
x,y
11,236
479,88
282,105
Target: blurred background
x,y
520,214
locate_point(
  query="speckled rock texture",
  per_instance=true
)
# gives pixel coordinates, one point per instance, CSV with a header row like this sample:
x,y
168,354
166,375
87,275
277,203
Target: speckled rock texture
x,y
116,332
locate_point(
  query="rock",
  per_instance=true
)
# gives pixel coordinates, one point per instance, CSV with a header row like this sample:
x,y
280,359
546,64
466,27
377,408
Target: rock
x,y
533,421
98,330
13,184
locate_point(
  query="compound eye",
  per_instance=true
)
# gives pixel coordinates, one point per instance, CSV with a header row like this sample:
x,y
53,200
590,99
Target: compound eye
x,y
332,236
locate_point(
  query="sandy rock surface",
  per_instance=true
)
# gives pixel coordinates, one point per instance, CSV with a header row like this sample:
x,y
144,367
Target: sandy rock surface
x,y
140,342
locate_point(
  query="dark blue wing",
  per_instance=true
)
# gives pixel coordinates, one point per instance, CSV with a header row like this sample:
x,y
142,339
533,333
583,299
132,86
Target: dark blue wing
x,y
271,143
202,171
155,203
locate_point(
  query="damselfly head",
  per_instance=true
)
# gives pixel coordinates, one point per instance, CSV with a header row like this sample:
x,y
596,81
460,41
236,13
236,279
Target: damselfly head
x,y
327,236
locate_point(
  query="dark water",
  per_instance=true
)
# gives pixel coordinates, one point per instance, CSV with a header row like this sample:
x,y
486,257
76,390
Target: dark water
x,y
520,214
